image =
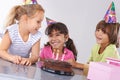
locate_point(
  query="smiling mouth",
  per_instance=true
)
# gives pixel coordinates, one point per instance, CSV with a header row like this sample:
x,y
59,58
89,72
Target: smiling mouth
x,y
99,38
54,43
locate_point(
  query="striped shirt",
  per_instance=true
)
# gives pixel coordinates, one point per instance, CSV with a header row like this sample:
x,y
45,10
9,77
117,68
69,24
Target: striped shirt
x,y
18,46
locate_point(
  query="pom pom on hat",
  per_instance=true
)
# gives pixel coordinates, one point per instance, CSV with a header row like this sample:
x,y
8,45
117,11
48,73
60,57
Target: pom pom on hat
x,y
110,16
49,21
25,2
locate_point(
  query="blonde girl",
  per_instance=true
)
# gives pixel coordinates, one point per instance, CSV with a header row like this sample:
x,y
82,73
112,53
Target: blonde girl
x,y
21,41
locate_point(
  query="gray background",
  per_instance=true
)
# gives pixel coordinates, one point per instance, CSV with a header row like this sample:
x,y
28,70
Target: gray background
x,y
81,17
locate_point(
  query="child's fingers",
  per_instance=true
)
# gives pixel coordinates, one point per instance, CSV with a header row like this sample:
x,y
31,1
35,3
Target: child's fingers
x,y
19,58
25,62
28,63
16,61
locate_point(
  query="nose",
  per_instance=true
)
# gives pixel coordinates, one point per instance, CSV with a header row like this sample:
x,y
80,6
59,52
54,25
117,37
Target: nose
x,y
100,32
53,38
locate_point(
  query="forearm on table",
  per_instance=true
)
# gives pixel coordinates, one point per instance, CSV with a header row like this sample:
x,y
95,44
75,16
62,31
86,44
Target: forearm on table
x,y
5,55
78,65
34,59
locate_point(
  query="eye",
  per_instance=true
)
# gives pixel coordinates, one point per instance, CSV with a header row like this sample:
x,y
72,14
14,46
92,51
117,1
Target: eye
x,y
58,34
50,35
38,22
104,31
98,30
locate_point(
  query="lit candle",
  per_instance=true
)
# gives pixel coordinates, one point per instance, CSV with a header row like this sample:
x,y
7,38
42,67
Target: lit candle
x,y
63,57
53,54
57,54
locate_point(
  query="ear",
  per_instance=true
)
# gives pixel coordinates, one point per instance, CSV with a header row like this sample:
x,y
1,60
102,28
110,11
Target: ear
x,y
66,37
24,17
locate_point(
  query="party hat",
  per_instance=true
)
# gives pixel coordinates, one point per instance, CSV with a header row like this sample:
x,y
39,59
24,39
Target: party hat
x,y
49,21
25,2
110,16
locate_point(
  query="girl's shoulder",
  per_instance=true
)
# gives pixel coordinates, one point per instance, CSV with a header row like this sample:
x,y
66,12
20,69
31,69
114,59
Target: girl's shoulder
x,y
12,27
111,47
13,31
96,46
68,51
37,35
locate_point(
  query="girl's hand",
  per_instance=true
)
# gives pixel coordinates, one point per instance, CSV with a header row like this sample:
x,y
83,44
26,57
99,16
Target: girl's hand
x,y
16,59
26,61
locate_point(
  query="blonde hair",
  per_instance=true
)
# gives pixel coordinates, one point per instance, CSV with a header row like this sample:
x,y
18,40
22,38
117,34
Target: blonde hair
x,y
19,10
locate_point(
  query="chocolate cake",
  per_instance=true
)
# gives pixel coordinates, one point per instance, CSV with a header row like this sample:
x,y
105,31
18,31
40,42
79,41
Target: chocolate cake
x,y
58,67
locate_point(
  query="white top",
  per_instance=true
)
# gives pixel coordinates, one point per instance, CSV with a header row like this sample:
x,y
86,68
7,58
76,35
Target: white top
x,y
18,46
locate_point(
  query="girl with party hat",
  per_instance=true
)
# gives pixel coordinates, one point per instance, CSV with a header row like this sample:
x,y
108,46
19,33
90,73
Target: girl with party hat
x,y
59,46
21,41
106,34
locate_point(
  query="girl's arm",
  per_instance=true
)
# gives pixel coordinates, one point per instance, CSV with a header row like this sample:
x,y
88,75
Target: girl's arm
x,y
35,52
4,45
76,64
34,56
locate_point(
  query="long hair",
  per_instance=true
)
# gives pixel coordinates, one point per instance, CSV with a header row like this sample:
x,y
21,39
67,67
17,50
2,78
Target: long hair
x,y
70,45
111,29
58,26
17,11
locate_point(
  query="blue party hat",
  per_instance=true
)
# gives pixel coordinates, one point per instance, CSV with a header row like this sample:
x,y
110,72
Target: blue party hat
x,y
110,16
49,21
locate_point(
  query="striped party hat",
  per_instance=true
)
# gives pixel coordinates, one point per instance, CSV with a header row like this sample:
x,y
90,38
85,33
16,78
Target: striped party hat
x,y
49,21
25,2
110,16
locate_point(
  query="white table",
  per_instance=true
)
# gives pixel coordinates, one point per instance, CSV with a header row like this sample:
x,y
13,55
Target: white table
x,y
10,71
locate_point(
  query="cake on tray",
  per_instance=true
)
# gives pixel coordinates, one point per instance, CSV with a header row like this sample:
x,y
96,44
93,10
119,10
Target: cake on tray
x,y
57,67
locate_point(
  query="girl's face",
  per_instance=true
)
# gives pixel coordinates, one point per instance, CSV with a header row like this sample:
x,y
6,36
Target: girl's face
x,y
101,37
34,23
57,40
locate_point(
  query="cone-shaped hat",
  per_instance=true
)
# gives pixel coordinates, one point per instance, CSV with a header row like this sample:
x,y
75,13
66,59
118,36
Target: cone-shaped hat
x,y
49,21
110,16
29,2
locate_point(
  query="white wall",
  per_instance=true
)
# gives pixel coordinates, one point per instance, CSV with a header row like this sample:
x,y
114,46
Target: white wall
x,y
5,7
81,17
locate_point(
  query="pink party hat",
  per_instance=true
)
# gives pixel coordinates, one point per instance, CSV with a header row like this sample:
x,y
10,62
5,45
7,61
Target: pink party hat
x,y
110,16
49,21
29,2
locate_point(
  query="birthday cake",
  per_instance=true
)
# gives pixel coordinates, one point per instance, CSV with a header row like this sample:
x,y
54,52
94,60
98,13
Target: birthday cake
x,y
57,67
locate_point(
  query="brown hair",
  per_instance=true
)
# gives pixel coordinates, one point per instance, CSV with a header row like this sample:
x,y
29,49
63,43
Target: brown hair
x,y
58,26
111,29
19,10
